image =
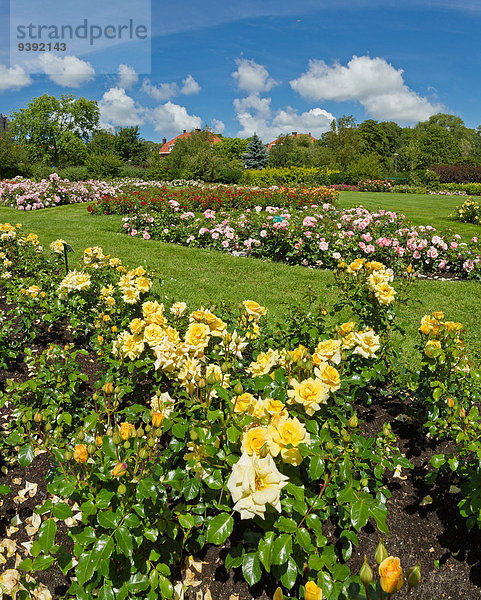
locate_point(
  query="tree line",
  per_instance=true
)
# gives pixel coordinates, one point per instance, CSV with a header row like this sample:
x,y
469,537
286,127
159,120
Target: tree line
x,y
64,134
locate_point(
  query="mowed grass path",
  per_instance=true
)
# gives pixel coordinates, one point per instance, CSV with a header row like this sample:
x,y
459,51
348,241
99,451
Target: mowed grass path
x,y
198,276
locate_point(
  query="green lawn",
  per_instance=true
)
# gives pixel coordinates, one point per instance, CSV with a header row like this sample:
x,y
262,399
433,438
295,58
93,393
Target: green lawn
x,y
197,276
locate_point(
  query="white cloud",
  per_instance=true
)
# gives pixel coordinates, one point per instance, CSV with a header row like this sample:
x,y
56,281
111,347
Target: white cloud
x,y
13,78
161,92
373,82
171,119
190,86
67,71
252,77
255,116
127,77
217,126
119,109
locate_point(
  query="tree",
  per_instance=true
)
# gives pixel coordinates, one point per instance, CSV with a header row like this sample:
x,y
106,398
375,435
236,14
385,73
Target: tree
x,y
47,121
192,157
130,146
13,157
343,141
292,151
255,156
231,148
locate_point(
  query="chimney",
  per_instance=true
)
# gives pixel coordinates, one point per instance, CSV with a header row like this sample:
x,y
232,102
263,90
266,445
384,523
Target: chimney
x,y
198,130
164,140
294,133
185,131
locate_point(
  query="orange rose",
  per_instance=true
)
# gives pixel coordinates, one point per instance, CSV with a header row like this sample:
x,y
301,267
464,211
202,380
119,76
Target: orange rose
x,y
391,574
80,453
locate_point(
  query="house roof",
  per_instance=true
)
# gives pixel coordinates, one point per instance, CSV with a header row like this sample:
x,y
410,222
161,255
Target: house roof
x,y
293,134
167,147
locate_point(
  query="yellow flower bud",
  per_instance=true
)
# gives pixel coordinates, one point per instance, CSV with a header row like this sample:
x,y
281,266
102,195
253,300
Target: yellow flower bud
x,y
312,591
126,430
108,388
80,453
119,470
278,594
391,574
157,419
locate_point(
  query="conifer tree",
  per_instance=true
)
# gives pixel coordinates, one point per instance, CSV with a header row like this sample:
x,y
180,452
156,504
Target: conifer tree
x,y
255,156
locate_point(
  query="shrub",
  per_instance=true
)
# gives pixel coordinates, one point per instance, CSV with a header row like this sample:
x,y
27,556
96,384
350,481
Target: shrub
x,y
377,185
458,173
74,173
101,166
285,176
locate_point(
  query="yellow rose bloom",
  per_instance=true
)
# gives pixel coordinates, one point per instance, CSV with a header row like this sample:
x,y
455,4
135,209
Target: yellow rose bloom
x,y
197,335
346,328
243,402
131,345
274,407
384,293
328,350
153,334
253,440
287,432
438,314
80,453
329,375
149,308
264,363
143,284
367,343
136,326
130,295
312,591
311,393
427,323
178,309
126,430
254,309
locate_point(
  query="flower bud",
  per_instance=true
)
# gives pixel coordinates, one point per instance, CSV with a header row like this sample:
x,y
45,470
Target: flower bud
x,y
109,431
211,380
108,388
126,444
158,432
122,489
116,438
225,367
140,432
238,389
413,576
278,594
345,435
353,421
148,428
99,441
151,442
119,469
462,412
450,402
381,553
391,575
95,396
157,419
144,453
81,435
194,436
312,591
68,455
366,573
91,449
116,390
48,426
201,383
264,451
386,429
38,417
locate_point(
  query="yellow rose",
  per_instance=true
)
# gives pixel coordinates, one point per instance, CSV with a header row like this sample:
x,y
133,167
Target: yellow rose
x,y
126,430
391,574
197,335
328,350
274,407
143,284
253,440
284,438
367,343
80,453
384,293
153,334
329,375
311,393
136,326
346,328
254,309
243,402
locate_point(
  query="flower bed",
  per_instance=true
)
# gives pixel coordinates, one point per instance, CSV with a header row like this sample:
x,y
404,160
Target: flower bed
x,y
468,212
26,194
314,236
203,426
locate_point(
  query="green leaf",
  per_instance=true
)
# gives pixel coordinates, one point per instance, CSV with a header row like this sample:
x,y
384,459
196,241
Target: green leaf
x,y
146,489
42,563
61,511
251,568
124,540
281,549
191,489
186,521
286,525
106,592
89,561
219,528
178,430
4,489
265,550
46,534
166,588
25,455
380,515
288,579
303,538
438,460
108,519
359,514
316,467
25,565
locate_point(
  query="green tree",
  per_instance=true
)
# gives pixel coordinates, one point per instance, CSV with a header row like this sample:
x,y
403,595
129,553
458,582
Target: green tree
x,y
230,148
255,156
13,158
48,123
291,151
343,142
130,146
192,157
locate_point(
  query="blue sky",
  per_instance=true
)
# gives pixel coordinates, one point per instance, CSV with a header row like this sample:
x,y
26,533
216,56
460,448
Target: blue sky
x,y
270,67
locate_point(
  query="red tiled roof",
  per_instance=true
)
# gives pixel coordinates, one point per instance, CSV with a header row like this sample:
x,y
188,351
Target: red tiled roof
x,y
167,147
293,134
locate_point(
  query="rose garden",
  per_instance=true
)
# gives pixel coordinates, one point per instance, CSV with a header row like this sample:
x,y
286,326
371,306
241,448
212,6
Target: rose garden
x,y
238,392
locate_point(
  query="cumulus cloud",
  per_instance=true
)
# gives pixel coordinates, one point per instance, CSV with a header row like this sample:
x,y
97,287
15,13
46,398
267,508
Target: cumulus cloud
x,y
190,86
166,91
171,119
13,78
119,109
67,71
217,126
127,77
373,82
256,116
252,77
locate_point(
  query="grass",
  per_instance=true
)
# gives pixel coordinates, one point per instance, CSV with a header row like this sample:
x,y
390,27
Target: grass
x,y
418,208
197,276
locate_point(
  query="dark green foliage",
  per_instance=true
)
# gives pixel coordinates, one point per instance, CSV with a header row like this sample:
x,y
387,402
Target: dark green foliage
x,y
255,156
